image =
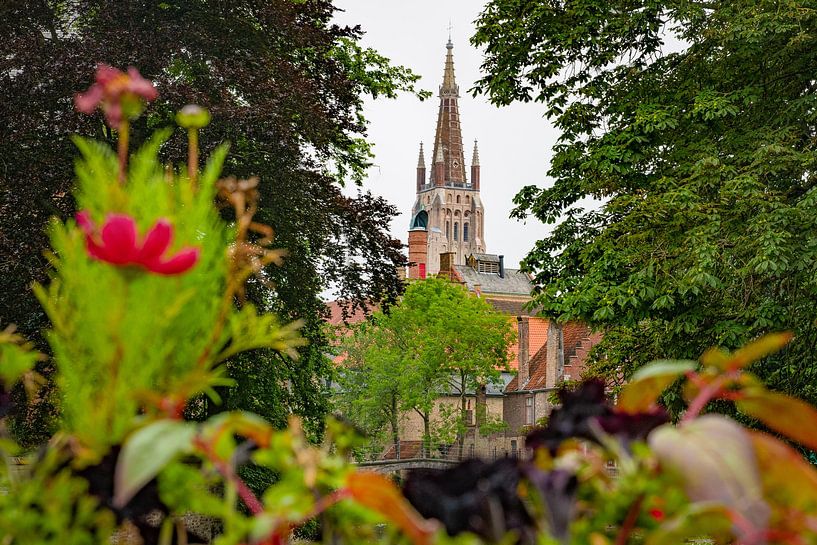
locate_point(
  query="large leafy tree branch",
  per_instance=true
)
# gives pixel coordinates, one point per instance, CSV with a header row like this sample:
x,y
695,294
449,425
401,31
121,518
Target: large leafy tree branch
x,y
702,153
285,86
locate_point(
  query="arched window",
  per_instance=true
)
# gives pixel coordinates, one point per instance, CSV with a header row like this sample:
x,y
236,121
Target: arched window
x,y
468,199
447,230
456,231
465,232
448,198
458,199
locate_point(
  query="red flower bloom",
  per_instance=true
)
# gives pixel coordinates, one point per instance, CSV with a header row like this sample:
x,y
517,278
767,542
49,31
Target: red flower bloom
x,y
657,514
117,243
118,93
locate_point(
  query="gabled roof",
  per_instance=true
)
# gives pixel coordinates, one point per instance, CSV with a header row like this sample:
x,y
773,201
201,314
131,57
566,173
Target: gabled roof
x,y
353,315
490,258
515,282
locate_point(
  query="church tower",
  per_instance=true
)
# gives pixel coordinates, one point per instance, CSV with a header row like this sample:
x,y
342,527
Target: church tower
x,y
447,216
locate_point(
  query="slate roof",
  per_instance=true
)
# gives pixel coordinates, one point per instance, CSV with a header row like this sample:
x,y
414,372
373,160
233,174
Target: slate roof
x,y
515,281
489,258
512,307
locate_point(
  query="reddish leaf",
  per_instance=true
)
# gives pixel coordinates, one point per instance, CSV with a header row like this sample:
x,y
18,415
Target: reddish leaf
x,y
647,384
379,494
788,479
755,350
793,418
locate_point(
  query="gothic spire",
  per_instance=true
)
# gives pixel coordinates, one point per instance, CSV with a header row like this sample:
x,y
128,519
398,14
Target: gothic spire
x,y
421,160
448,138
474,158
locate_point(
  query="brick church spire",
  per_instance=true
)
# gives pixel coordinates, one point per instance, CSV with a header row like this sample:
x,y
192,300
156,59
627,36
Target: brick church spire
x,y
447,218
448,138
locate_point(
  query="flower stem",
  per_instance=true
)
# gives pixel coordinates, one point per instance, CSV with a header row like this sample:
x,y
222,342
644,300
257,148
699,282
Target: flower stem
x,y
124,133
707,394
226,471
193,155
629,521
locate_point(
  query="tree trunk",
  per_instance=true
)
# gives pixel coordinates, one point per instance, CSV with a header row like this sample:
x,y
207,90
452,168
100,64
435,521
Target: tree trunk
x,y
395,431
426,450
463,414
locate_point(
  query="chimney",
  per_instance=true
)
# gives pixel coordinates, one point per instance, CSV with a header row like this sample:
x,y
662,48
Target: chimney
x,y
447,263
502,266
523,358
475,168
554,356
421,170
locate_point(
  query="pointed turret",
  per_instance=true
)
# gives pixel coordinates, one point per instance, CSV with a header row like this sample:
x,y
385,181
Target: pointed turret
x,y
475,168
421,169
448,138
439,167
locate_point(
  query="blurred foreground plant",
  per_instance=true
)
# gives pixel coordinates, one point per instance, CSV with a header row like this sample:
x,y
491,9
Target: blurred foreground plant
x,y
146,304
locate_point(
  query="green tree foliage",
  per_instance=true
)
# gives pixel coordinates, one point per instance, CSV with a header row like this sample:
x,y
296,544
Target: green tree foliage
x,y
438,340
694,124
285,87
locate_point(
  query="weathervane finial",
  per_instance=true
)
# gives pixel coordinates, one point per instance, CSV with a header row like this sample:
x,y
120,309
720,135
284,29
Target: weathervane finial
x,y
450,44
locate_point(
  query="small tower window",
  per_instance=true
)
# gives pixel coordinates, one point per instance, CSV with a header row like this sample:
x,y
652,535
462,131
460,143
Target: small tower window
x,y
447,230
465,232
468,199
456,231
458,199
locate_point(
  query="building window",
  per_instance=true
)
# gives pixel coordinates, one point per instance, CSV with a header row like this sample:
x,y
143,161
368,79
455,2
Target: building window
x,y
529,410
465,232
447,230
458,199
456,231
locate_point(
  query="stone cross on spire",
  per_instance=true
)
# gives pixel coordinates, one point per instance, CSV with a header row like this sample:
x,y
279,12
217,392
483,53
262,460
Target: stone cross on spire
x,y
448,138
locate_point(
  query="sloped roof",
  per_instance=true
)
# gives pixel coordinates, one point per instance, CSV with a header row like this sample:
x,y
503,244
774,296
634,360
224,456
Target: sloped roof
x,y
489,258
515,282
514,307
354,316
537,365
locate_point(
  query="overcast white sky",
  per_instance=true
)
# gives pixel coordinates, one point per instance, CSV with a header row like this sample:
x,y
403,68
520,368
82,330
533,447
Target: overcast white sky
x,y
514,142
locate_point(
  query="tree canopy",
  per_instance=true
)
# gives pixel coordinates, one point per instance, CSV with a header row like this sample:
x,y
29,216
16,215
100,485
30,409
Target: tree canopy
x,y
285,86
438,340
692,124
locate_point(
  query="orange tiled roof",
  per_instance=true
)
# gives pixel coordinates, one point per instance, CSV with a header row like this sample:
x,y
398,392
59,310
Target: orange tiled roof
x,y
537,338
355,315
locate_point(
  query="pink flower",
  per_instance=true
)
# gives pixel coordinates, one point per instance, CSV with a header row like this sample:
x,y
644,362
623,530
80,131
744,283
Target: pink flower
x,y
117,243
119,93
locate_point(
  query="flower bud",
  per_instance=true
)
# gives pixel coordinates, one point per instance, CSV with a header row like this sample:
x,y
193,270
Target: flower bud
x,y
193,117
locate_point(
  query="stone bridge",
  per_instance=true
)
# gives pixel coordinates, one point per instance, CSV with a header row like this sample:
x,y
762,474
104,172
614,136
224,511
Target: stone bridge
x,y
402,464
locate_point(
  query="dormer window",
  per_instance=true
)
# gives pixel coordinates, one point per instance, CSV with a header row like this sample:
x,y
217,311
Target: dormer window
x,y
487,267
